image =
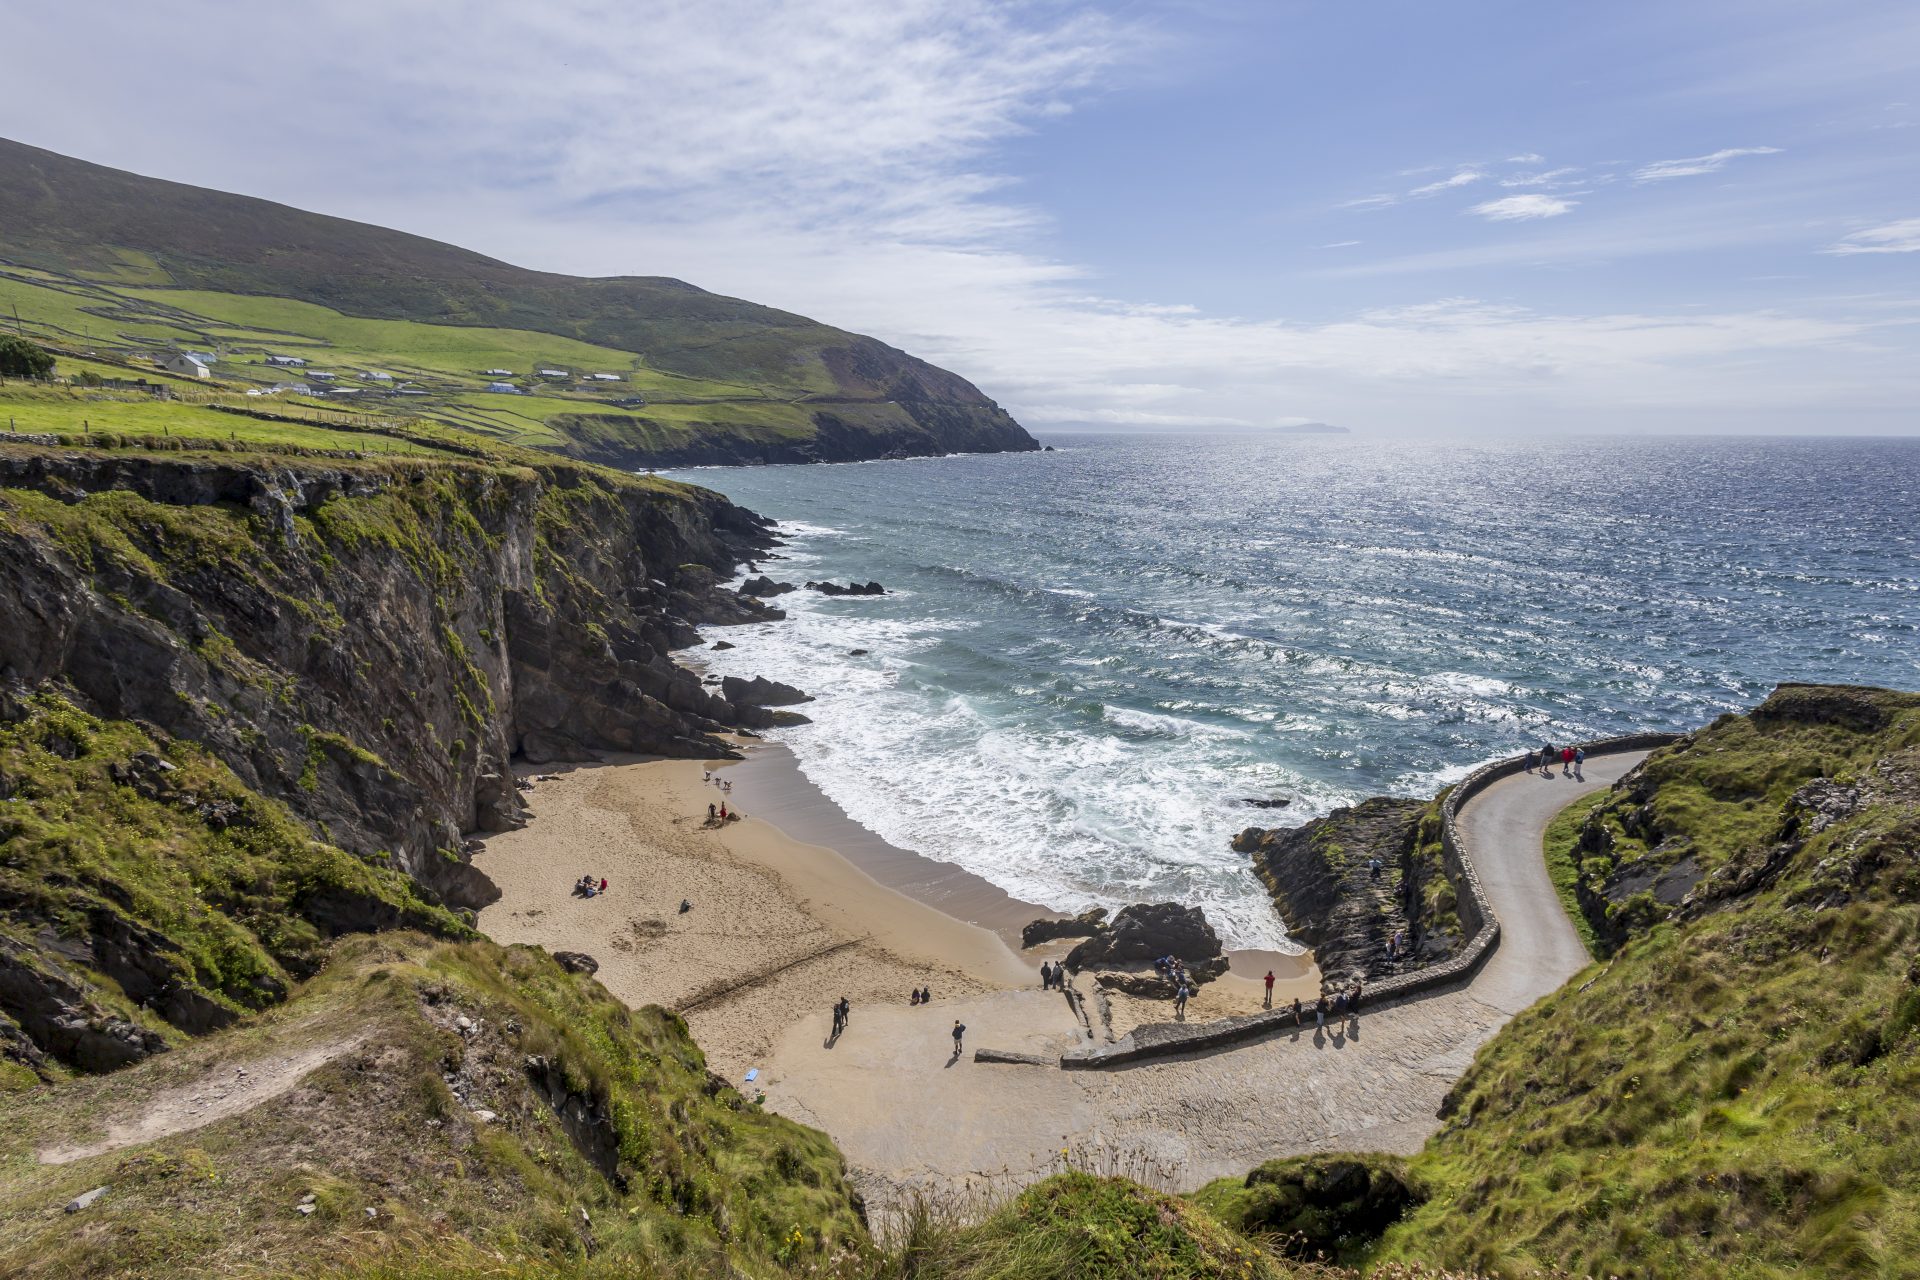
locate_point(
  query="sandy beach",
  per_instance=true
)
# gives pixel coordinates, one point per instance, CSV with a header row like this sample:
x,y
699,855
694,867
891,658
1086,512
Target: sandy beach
x,y
780,928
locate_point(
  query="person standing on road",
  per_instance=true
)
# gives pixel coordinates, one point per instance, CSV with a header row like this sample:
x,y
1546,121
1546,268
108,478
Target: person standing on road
x,y
1579,761
1566,762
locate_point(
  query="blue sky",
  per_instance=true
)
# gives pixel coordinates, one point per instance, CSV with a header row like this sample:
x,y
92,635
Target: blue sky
x,y
1396,216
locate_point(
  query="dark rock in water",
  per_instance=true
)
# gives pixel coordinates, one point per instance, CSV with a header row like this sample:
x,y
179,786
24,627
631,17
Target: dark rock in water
x,y
576,962
723,644
1144,932
1047,449
851,589
1085,925
1268,802
856,653
764,586
760,692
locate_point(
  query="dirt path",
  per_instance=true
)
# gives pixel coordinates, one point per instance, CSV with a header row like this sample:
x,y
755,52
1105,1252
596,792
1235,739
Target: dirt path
x,y
911,1119
225,1090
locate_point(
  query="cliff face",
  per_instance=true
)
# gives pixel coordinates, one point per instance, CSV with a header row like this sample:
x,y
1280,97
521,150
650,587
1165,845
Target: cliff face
x,y
367,645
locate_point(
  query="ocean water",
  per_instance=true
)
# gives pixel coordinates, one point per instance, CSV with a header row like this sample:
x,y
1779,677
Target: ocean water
x,y
1087,659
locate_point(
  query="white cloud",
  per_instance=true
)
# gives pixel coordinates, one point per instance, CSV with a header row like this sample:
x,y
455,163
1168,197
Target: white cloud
x,y
1550,178
1380,201
1523,208
1529,157
1460,179
1895,237
1660,170
1340,244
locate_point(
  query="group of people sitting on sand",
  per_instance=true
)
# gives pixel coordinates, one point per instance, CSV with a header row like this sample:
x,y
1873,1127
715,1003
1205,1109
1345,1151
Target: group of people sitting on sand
x,y
1345,1004
921,995
589,886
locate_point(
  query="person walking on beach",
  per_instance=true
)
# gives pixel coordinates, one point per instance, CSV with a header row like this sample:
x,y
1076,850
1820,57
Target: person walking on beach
x,y
1296,1011
959,1031
1180,1003
840,1011
710,815
1269,981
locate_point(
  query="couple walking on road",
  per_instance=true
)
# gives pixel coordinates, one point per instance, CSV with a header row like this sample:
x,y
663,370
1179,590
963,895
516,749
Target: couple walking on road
x,y
1571,761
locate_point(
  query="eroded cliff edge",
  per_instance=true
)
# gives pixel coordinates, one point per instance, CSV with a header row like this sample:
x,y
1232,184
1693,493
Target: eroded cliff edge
x,y
324,667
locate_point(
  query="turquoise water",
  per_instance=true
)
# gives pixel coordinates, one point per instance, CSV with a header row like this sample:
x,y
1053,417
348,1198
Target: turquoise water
x,y
1089,657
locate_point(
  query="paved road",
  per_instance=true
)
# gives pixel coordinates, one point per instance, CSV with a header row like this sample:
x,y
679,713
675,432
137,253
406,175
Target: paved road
x,y
910,1118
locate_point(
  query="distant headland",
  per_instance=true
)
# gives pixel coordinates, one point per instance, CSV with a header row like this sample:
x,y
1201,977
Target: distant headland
x,y
1312,429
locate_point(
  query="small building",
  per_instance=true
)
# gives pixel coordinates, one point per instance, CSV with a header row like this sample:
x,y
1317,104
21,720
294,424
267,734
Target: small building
x,y
184,363
287,362
503,388
374,375
293,388
606,377
497,373
320,375
553,373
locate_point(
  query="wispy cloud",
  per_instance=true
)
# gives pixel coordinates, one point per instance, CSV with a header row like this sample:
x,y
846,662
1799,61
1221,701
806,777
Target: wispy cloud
x,y
1552,177
1528,157
1463,178
1693,166
1523,208
1340,244
1379,201
1895,237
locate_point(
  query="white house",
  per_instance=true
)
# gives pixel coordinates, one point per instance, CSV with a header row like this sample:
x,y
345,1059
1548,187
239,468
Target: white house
x,y
497,373
374,375
293,388
606,377
287,362
504,388
553,373
184,363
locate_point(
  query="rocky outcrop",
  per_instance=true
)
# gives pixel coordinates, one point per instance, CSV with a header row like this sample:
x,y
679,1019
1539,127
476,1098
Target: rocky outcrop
x,y
576,962
1085,925
851,589
1140,934
1322,884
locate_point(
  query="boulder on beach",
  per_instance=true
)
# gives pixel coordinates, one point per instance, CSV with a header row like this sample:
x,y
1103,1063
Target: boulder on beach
x,y
1144,932
1085,925
576,962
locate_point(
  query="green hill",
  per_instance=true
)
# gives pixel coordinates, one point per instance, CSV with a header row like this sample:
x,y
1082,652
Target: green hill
x,y
107,265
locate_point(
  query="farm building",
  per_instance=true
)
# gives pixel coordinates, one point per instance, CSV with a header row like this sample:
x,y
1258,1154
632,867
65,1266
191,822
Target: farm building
x,y
287,362
320,375
497,373
374,375
553,373
606,377
504,388
184,363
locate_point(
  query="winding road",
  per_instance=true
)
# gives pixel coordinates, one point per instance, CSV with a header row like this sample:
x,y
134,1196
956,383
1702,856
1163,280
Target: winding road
x,y
910,1119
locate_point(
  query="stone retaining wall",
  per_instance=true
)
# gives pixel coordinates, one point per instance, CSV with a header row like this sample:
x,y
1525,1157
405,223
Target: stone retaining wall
x,y
1161,1039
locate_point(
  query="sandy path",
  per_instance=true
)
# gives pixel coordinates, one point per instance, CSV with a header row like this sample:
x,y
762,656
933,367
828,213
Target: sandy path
x,y
226,1090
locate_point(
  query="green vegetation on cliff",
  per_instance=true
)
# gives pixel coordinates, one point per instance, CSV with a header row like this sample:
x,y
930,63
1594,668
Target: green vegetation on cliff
x,y
1732,1093
111,269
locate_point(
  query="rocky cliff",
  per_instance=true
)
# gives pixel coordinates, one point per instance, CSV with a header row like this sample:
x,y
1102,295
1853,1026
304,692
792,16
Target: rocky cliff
x,y
1323,886
348,654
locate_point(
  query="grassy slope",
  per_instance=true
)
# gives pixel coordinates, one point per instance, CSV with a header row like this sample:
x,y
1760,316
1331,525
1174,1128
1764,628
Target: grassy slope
x,y
1732,1095
1563,866
96,256
685,1177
